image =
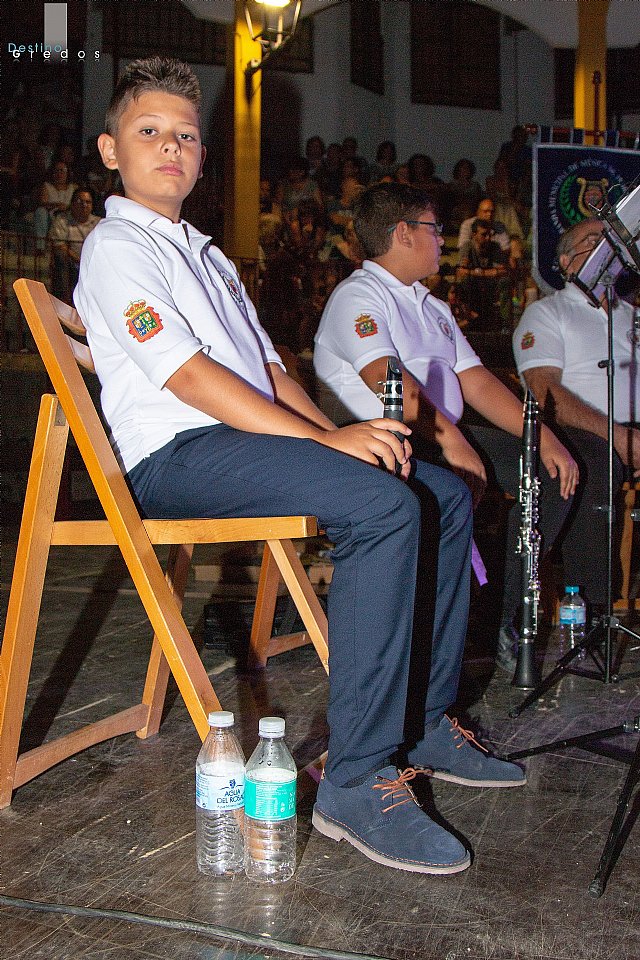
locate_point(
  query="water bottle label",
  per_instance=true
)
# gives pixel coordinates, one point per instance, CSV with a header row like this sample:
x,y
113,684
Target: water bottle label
x,y
215,792
573,615
266,800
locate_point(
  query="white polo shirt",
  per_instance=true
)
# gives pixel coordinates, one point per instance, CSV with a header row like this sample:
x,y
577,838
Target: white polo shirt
x,y
565,330
372,314
152,294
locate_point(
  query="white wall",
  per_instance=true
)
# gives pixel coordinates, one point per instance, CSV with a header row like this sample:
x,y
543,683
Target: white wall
x,y
296,106
334,108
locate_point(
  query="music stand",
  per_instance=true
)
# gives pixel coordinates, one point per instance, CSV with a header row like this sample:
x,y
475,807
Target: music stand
x,y
617,250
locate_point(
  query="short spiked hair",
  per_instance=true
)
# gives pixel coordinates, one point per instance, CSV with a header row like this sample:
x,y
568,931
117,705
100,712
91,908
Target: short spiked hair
x,y
145,76
380,208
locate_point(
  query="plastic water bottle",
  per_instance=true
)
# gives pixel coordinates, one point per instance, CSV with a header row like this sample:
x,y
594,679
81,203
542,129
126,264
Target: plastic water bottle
x,y
220,799
573,618
270,807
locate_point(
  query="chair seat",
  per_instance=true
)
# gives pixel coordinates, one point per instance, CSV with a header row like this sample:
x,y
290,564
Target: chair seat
x,y
100,533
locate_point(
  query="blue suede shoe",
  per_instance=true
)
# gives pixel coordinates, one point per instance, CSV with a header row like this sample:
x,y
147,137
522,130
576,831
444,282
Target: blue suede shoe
x,y
382,818
451,753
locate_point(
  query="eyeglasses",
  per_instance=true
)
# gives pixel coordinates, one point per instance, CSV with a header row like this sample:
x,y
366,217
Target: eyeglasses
x,y
438,227
588,243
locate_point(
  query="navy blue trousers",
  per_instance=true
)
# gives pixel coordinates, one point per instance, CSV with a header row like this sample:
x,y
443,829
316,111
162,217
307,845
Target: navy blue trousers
x,y
381,528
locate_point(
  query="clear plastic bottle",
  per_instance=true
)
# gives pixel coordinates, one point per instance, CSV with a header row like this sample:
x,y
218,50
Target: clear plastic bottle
x,y
573,619
270,811
220,799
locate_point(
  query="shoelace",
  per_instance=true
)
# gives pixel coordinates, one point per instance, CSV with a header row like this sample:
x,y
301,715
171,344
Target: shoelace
x,y
398,787
464,735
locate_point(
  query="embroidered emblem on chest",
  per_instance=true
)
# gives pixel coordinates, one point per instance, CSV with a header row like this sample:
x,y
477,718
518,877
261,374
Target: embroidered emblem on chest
x,y
232,286
366,326
446,329
527,341
142,321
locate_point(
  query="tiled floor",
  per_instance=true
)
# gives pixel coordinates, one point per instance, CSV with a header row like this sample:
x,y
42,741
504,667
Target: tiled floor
x,y
114,828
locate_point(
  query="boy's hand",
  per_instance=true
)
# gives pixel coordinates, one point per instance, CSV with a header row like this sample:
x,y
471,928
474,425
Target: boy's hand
x,y
372,441
465,463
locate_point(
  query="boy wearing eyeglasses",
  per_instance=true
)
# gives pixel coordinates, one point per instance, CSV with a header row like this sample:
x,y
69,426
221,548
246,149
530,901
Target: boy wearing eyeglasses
x,y
384,310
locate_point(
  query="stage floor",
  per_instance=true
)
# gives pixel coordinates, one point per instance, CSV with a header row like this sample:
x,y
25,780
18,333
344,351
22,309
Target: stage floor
x,y
114,827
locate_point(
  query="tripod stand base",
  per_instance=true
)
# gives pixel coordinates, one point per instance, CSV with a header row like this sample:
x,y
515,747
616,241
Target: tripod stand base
x,y
612,845
599,633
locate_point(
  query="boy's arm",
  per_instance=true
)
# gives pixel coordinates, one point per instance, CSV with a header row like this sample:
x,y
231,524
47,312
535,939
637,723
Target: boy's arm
x,y
490,398
291,396
209,386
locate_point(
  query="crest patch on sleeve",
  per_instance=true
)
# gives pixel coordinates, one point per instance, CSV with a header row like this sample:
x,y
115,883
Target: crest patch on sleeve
x,y
366,326
142,321
528,340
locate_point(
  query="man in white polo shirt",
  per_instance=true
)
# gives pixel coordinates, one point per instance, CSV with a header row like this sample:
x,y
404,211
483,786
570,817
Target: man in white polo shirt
x,y
557,346
383,310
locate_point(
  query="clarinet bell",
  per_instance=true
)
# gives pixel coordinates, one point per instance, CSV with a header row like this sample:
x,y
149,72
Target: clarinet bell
x,y
527,674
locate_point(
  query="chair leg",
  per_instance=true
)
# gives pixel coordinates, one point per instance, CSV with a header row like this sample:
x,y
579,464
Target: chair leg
x,y
27,583
155,688
262,626
299,586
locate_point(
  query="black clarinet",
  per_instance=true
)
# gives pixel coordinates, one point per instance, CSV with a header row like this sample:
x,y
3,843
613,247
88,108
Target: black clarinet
x,y
527,674
391,396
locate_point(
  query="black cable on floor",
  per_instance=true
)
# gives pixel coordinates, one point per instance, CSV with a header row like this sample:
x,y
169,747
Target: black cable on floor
x,y
186,926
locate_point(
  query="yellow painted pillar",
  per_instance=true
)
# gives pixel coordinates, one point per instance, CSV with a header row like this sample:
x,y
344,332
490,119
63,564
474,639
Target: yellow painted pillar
x,y
591,56
242,154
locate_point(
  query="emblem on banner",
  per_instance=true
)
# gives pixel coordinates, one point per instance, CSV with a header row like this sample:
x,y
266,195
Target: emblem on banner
x,y
142,321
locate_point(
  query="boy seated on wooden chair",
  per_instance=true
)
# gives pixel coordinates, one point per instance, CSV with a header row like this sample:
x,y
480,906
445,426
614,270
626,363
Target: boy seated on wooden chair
x,y
207,423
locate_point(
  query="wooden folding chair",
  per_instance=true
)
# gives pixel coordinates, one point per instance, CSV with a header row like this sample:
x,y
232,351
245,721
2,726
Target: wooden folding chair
x,y
172,648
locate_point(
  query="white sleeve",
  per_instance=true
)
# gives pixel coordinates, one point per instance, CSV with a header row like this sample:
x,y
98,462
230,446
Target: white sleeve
x,y
125,296
538,340
466,357
355,325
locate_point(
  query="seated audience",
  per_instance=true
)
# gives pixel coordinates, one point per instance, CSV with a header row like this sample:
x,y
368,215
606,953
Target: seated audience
x,y
68,232
401,174
463,193
385,163
486,211
54,197
306,230
350,152
314,152
297,186
500,189
329,173
481,274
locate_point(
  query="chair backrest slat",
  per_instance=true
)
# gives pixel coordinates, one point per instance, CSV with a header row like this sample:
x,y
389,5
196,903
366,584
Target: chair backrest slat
x,y
70,319
61,365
